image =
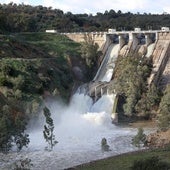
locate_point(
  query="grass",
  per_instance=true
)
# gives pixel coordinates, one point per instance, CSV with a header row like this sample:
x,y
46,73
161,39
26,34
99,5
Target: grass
x,y
125,161
54,44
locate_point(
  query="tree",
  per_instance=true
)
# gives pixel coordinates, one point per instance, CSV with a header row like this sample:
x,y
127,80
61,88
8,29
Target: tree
x,y
164,107
104,145
89,50
139,139
48,129
130,79
148,105
12,127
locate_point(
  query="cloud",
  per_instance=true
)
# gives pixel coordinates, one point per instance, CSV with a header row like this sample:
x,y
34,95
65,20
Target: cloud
x,y
86,6
94,6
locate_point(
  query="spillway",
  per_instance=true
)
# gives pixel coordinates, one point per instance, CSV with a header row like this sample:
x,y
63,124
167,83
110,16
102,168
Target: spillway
x,y
105,71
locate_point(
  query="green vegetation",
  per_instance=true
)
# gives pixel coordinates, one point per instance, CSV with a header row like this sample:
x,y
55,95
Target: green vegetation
x,y
164,113
90,53
150,163
26,18
32,66
130,80
104,145
48,130
128,161
139,139
12,126
55,45
34,63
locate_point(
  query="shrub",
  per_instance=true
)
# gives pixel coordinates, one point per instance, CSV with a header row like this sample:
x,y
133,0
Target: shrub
x,y
152,163
164,114
140,138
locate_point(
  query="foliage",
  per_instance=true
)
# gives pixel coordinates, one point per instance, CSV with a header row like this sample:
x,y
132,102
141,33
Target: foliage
x,y
26,18
139,139
130,79
164,113
89,51
12,127
33,63
48,129
104,145
150,163
149,102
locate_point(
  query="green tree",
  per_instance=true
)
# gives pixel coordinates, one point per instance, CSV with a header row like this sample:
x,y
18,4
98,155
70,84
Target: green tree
x,y
12,127
89,52
139,139
130,79
48,129
148,105
164,107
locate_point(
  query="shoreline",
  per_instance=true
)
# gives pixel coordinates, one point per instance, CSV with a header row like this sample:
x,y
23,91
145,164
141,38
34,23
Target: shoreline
x,y
110,157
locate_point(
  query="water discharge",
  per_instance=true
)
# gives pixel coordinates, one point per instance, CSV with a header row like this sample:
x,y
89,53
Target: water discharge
x,y
105,71
79,129
150,50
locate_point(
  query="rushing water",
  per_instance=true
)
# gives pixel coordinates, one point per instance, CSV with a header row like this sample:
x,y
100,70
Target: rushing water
x,y
105,71
79,129
150,50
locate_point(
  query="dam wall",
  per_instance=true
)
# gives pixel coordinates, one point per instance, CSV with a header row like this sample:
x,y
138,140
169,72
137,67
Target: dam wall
x,y
160,58
98,37
136,41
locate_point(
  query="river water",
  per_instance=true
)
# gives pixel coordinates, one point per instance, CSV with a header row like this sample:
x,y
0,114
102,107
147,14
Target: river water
x,y
79,129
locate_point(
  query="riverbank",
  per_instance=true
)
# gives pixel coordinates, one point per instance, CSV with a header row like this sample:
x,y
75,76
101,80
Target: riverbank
x,y
125,161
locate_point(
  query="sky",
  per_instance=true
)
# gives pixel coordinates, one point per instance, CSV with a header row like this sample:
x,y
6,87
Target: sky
x,y
94,6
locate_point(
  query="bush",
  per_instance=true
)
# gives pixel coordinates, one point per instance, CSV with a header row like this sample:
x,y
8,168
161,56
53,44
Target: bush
x,y
130,79
140,138
164,107
152,163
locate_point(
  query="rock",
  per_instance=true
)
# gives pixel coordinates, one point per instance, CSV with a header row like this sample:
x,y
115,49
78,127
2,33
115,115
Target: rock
x,y
158,139
104,145
78,73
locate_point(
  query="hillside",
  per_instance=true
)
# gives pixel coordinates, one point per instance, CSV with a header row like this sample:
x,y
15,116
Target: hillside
x,y
35,65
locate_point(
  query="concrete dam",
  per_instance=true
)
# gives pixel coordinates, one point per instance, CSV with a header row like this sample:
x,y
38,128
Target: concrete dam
x,y
154,43
149,43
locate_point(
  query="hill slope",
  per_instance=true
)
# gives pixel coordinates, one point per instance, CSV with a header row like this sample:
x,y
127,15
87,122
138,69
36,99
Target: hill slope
x,y
34,65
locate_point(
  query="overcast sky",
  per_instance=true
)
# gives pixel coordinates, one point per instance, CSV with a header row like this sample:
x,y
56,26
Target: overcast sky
x,y
94,6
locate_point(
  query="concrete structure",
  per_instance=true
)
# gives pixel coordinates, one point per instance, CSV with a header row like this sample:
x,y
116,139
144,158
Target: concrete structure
x,y
165,29
154,44
51,31
132,42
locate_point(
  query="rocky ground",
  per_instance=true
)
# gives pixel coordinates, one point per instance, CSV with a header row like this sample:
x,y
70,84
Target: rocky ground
x,y
159,139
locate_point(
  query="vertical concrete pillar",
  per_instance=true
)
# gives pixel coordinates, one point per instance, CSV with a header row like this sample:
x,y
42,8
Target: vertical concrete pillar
x,y
133,38
122,41
156,36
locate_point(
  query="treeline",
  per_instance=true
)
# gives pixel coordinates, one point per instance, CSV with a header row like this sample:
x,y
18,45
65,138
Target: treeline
x,y
26,18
